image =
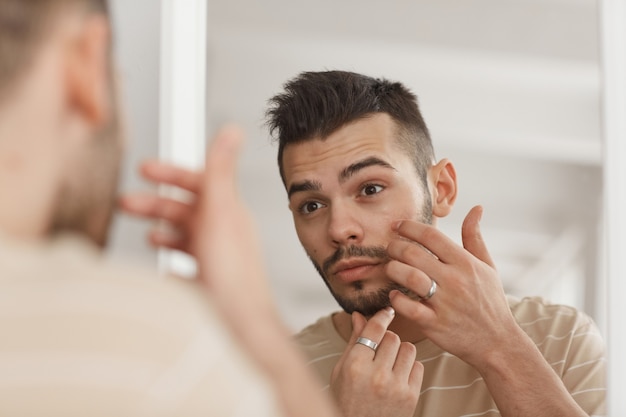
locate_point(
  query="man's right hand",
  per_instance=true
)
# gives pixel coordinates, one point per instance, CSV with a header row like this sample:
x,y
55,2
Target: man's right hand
x,y
381,382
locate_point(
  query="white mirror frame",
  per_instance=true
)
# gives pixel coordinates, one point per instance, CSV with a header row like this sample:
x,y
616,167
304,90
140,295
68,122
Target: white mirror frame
x,y
183,98
613,26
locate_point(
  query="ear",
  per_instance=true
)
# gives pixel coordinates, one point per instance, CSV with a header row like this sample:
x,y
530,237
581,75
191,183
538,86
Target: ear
x,y
88,77
444,187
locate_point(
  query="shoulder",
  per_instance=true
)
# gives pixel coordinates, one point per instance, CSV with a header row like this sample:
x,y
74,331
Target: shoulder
x,y
320,335
73,311
322,345
571,343
71,265
562,333
67,283
540,315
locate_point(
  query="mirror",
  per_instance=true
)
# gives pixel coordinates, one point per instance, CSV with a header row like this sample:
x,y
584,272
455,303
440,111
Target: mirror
x,y
511,94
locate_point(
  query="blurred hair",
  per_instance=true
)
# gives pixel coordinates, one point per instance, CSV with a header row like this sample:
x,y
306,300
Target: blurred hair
x,y
23,25
316,104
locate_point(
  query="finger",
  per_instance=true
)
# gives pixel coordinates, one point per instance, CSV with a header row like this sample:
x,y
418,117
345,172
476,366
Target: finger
x,y
161,172
168,239
358,323
377,325
472,238
387,350
405,360
432,239
156,207
417,375
222,216
409,277
220,185
416,311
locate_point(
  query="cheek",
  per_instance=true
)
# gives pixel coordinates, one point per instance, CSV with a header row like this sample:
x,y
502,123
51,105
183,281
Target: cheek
x,y
380,226
308,239
406,206
384,219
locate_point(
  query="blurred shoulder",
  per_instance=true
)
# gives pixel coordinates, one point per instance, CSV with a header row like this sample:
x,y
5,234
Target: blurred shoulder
x,y
118,335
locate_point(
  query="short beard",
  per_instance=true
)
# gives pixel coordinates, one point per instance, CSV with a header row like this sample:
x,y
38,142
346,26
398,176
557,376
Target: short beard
x,y
368,303
365,303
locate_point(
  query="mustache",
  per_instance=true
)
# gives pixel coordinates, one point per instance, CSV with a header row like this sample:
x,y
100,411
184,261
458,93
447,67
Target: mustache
x,y
344,252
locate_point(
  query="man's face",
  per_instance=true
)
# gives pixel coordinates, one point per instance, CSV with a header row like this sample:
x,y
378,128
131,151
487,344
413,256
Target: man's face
x,y
345,192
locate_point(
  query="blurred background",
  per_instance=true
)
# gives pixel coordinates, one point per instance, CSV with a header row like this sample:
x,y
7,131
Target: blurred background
x,y
510,89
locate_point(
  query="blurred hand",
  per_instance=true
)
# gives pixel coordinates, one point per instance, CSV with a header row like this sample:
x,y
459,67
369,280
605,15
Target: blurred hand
x,y
215,227
224,240
180,217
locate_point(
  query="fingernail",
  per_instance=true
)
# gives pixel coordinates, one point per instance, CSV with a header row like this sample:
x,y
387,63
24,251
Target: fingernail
x,y
391,311
396,225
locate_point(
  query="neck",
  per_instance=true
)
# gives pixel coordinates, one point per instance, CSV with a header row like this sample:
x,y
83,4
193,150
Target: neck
x,y
403,327
25,203
27,186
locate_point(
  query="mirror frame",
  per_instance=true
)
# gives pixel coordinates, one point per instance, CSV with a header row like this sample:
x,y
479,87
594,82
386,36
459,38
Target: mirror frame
x,y
613,47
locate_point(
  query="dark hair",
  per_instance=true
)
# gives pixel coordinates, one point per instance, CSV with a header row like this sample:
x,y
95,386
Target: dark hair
x,y
316,104
23,24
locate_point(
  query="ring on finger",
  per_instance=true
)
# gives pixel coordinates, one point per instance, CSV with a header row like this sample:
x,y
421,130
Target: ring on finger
x,y
367,342
431,291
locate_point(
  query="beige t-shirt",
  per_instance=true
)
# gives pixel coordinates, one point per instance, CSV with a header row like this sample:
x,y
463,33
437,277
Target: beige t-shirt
x,y
568,339
82,337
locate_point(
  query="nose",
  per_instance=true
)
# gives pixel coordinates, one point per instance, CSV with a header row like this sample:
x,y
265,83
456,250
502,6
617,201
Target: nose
x,y
344,226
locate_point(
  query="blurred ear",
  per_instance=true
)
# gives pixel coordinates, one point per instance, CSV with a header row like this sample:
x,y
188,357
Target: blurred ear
x,y
88,77
444,187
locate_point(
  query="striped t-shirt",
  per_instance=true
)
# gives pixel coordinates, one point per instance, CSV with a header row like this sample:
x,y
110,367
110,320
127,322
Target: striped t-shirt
x,y
567,338
82,337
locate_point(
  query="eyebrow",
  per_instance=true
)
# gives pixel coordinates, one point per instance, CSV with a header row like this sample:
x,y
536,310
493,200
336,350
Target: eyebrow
x,y
345,174
352,169
307,185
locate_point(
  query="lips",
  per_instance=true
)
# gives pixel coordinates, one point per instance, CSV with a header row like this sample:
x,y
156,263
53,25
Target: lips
x,y
351,270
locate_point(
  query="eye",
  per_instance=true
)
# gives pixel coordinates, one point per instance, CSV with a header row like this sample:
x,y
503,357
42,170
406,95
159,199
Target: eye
x,y
371,189
310,206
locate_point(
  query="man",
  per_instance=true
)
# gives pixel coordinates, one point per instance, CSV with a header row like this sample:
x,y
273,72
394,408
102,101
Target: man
x,y
366,191
85,337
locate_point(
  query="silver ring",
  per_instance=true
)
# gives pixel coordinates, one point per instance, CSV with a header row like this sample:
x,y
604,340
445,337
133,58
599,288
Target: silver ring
x,y
367,342
431,291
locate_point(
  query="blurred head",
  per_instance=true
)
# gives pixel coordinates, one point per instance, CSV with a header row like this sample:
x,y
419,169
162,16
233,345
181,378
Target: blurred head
x,y
355,156
60,148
